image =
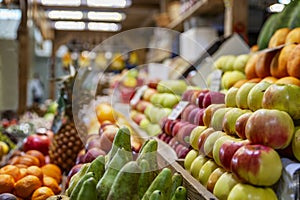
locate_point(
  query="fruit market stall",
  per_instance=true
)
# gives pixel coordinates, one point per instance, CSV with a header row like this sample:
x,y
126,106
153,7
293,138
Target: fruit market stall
x,y
238,138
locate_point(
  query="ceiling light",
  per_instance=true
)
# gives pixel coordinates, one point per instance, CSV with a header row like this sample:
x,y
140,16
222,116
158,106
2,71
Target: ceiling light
x,y
109,3
61,3
69,25
10,14
101,26
63,14
277,7
284,1
106,16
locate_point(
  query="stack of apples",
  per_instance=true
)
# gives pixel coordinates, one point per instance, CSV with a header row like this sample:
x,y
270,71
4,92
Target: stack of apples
x,y
177,132
279,63
155,103
240,146
100,143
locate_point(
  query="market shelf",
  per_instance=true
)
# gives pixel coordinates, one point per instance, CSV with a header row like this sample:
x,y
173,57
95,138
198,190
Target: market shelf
x,y
202,7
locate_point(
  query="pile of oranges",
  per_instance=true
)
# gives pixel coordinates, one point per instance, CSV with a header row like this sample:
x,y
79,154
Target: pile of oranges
x,y
28,177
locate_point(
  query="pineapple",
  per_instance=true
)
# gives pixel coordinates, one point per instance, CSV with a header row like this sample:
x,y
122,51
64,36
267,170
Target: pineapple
x,y
66,142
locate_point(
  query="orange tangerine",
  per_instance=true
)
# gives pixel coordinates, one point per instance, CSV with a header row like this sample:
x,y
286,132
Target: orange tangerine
x,y
52,184
11,170
35,171
53,171
7,183
27,185
42,193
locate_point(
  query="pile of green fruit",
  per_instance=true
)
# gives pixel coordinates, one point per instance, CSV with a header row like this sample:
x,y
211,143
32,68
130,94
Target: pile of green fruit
x,y
155,103
118,176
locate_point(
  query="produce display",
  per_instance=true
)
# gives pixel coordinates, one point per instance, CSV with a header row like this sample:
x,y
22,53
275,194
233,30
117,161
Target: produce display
x,y
176,132
155,103
120,175
29,175
232,137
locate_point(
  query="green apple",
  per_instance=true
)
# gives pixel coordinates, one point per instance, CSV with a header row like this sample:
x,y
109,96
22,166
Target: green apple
x,y
147,111
256,94
206,171
132,73
153,129
230,78
195,135
240,62
228,65
217,118
217,146
210,141
155,99
284,98
230,97
242,191
225,63
242,95
144,123
224,185
230,118
170,100
189,158
209,112
52,108
197,165
213,178
172,86
218,64
296,143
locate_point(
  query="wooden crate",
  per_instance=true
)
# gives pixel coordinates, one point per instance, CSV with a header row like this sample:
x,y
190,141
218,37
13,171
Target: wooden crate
x,y
195,190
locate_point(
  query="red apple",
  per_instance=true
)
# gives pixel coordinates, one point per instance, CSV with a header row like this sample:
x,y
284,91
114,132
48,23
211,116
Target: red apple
x,y
240,124
182,151
192,115
142,105
184,133
186,96
173,143
209,112
272,128
200,97
94,142
169,124
148,94
194,96
177,126
38,141
257,164
227,150
80,156
105,143
212,97
110,131
198,120
185,113
92,154
72,172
